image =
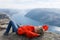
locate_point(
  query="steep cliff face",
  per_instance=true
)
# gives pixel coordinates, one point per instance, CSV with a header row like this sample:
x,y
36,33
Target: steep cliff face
x,y
45,16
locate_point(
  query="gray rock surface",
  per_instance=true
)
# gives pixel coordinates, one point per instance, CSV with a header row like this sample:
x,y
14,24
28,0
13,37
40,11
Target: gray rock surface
x,y
14,36
4,20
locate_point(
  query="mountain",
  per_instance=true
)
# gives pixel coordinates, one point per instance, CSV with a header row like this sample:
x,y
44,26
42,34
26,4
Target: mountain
x,y
46,16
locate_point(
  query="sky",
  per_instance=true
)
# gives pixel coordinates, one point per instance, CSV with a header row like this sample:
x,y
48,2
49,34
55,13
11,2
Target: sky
x,y
25,4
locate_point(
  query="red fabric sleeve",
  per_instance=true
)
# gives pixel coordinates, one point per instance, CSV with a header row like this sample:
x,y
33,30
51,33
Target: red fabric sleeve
x,y
30,34
20,31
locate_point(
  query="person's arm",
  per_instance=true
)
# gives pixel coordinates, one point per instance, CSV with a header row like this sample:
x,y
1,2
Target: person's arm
x,y
31,34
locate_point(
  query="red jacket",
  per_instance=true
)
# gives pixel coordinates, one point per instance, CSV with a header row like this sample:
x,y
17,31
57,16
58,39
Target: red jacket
x,y
27,30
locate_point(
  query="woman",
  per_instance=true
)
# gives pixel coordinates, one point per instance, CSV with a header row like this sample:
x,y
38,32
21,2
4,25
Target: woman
x,y
31,31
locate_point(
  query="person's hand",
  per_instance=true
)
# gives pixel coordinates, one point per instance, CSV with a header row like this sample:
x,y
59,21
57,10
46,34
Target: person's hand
x,y
39,35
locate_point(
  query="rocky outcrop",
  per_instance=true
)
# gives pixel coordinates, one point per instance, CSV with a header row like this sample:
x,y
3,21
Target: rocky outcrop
x,y
46,36
3,16
4,19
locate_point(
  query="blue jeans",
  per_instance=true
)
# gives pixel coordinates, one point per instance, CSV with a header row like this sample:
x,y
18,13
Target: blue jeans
x,y
13,25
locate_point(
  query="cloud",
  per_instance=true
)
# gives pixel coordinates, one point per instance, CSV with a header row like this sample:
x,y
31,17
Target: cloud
x,y
34,5
25,4
16,1
27,1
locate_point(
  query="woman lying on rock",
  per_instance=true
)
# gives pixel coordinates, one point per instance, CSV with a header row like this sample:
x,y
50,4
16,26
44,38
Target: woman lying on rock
x,y
27,30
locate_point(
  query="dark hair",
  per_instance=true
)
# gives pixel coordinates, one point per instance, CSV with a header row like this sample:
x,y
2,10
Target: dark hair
x,y
40,31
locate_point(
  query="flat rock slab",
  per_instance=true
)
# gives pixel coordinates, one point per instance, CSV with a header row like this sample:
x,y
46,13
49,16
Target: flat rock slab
x,y
14,36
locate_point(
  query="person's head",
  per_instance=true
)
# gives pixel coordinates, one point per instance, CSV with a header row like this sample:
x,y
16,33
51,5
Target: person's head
x,y
40,29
